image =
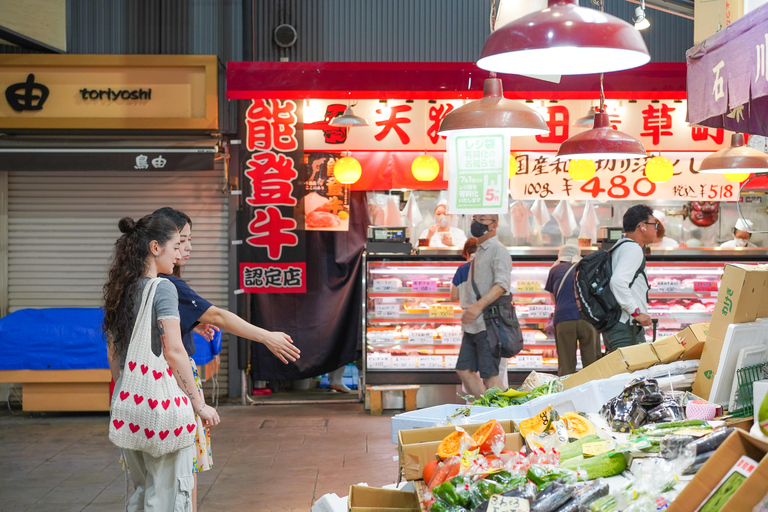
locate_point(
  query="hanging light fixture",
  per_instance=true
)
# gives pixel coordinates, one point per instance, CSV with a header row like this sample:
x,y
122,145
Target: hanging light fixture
x,y
738,158
581,170
659,169
564,39
640,21
512,164
348,119
425,168
495,112
347,170
602,142
587,120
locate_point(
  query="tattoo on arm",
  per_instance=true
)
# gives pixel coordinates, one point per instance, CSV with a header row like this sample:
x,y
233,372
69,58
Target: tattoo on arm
x,y
161,333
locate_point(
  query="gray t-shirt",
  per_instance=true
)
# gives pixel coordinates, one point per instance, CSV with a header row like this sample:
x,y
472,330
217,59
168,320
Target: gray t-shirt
x,y
492,265
166,305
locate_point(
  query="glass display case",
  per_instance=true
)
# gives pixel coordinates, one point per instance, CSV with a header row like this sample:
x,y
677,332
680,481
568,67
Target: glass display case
x,y
413,331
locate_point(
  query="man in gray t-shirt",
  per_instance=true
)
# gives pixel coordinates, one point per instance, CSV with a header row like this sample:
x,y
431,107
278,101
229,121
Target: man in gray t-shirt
x,y
491,269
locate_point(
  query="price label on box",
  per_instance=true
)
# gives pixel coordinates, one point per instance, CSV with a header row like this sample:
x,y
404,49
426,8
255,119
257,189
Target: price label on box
x,y
387,310
450,362
529,336
499,503
451,338
430,361
440,311
529,361
424,285
540,310
528,286
377,361
385,285
668,285
421,337
404,361
704,286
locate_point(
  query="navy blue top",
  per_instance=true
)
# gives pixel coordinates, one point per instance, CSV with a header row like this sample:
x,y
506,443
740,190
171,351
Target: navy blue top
x,y
461,275
565,302
191,308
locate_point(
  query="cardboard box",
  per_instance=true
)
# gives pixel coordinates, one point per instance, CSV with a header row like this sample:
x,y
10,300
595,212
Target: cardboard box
x,y
708,363
692,339
622,360
668,349
751,491
419,446
370,499
741,292
709,16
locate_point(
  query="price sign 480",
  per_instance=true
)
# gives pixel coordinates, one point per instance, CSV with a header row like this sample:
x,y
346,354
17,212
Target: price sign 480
x,y
618,188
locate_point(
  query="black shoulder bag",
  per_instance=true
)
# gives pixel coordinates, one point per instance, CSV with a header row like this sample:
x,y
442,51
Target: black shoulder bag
x,y
504,335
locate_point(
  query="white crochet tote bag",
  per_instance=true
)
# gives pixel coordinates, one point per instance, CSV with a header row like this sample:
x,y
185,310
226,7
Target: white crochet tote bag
x,y
150,413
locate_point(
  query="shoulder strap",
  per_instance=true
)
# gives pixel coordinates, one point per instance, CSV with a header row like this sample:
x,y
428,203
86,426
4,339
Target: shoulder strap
x,y
472,279
557,293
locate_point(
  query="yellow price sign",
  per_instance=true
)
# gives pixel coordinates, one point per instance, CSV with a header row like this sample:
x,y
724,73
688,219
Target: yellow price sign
x,y
528,286
440,311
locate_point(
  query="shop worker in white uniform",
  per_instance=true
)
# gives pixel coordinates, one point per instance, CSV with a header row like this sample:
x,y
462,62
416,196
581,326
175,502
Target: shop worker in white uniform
x,y
662,241
741,234
441,234
629,282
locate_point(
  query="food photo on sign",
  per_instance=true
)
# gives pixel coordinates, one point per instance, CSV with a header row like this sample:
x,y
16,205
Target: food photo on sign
x,y
326,200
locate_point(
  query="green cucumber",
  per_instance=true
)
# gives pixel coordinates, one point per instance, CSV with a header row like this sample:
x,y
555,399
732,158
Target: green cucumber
x,y
574,449
603,465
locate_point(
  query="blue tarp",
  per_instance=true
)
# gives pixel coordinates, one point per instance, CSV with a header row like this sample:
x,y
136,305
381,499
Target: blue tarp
x,y
53,339
65,339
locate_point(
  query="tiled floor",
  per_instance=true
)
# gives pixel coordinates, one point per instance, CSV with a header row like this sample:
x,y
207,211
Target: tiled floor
x,y
266,458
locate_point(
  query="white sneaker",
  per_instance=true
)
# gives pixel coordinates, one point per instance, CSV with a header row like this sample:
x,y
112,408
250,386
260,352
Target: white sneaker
x,y
340,387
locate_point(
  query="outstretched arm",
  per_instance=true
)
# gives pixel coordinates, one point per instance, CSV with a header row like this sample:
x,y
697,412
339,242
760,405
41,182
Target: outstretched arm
x,y
279,343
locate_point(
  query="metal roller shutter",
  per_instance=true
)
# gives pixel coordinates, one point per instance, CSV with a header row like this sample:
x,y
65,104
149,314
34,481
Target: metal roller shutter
x,y
62,227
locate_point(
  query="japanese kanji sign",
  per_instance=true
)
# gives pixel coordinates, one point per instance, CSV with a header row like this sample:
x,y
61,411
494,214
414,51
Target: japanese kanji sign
x,y
543,177
272,259
479,171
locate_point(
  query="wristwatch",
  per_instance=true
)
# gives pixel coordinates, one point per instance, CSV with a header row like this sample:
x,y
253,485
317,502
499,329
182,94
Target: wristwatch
x,y
635,312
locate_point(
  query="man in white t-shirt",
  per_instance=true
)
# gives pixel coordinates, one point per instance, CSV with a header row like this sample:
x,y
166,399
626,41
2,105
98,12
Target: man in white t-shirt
x,y
629,282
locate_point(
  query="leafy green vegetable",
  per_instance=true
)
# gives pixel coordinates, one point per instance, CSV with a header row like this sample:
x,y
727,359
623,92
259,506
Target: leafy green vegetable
x,y
495,397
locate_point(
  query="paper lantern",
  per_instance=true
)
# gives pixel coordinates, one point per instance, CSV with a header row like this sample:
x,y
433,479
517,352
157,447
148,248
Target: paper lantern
x,y
581,170
512,164
658,169
737,176
425,168
347,170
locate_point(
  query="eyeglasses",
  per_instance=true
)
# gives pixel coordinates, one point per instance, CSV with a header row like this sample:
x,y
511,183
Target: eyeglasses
x,y
654,224
487,222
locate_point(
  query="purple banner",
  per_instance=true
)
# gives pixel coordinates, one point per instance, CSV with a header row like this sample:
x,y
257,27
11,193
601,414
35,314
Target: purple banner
x,y
728,77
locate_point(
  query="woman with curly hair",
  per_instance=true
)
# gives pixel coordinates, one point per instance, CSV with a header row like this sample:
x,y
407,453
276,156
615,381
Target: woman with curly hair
x,y
148,247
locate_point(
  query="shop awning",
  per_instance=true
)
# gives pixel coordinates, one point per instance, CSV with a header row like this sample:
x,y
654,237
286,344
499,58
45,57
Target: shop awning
x,y
728,77
108,154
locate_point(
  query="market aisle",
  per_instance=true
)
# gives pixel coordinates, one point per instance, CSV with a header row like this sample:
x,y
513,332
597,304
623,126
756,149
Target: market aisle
x,y
267,458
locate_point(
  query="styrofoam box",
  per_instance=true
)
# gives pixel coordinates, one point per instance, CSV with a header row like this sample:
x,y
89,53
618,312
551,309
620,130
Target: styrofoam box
x,y
433,416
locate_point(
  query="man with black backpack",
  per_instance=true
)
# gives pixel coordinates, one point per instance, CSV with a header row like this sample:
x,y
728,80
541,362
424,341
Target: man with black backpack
x,y
629,282
611,286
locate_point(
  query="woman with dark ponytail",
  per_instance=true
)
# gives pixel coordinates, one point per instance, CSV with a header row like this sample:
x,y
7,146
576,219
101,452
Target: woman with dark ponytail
x,y
147,248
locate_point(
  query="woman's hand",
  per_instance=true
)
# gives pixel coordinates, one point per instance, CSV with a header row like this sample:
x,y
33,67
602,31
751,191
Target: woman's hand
x,y
281,345
431,233
209,416
207,331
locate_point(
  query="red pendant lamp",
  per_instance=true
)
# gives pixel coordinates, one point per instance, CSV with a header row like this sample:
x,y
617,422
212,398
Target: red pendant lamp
x,y
738,158
493,111
564,39
601,143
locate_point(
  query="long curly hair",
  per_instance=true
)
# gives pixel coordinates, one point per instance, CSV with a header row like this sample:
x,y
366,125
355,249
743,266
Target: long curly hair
x,y
129,264
179,218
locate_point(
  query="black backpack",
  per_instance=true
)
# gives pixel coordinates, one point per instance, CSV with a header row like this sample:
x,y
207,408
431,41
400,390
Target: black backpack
x,y
594,297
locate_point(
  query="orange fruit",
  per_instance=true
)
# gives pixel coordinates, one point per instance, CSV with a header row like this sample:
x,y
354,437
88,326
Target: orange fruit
x,y
452,444
487,434
429,470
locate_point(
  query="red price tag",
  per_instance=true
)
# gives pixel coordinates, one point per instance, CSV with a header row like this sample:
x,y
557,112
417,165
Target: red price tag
x,y
704,286
424,285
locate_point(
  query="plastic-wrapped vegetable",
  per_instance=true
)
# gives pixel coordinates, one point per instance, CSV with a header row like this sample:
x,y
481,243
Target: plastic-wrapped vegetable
x,y
708,443
482,490
544,475
507,479
527,492
645,390
624,413
668,410
447,492
699,461
585,495
551,498
672,445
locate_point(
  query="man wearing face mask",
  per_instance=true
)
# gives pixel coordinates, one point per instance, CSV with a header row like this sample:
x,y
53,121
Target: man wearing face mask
x,y
741,234
441,234
490,270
